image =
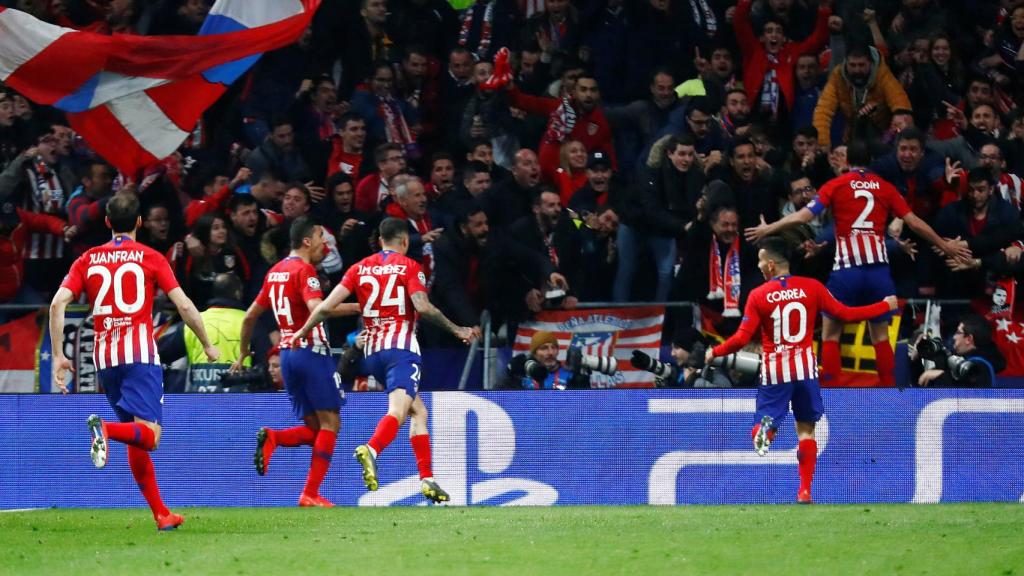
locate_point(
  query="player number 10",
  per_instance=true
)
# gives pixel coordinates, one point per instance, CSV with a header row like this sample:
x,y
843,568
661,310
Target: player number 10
x,y
783,327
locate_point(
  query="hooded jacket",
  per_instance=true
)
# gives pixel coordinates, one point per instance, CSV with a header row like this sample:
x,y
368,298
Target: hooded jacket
x,y
840,95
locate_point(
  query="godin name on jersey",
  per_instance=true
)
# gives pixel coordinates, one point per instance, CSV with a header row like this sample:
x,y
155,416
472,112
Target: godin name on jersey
x,y
116,257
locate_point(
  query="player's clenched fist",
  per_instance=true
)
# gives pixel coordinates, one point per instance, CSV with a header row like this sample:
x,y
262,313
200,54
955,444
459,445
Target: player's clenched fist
x,y
893,302
212,353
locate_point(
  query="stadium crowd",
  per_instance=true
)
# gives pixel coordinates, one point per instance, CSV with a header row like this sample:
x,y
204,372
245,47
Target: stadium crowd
x,y
620,157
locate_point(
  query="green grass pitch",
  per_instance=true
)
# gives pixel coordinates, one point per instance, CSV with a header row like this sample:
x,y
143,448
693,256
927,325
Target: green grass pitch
x,y
971,539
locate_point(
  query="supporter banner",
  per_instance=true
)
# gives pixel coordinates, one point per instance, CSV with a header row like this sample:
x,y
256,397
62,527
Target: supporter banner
x,y
602,332
538,448
19,341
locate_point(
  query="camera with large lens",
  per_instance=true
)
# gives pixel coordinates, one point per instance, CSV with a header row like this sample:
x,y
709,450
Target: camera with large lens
x,y
745,363
961,368
578,362
664,373
522,366
931,348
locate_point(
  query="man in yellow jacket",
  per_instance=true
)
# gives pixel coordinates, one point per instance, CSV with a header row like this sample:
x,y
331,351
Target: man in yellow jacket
x,y
223,321
865,90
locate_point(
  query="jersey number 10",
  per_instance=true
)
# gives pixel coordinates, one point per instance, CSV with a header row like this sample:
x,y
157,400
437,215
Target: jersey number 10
x,y
783,327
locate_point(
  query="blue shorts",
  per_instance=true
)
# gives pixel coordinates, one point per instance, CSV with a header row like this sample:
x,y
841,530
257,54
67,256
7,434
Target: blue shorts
x,y
805,395
135,391
311,382
396,369
862,285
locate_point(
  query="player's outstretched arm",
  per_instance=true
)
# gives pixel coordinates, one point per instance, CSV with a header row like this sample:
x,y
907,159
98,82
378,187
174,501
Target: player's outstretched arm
x,y
61,364
430,312
322,310
245,338
763,230
856,313
950,249
193,320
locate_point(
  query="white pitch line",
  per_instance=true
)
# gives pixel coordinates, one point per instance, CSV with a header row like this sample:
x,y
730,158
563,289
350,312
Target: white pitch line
x,y
21,510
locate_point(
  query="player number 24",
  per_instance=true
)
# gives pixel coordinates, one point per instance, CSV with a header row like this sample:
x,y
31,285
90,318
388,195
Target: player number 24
x,y
393,296
783,327
117,280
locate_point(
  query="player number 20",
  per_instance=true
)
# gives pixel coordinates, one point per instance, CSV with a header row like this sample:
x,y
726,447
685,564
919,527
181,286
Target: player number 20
x,y
117,280
393,296
784,328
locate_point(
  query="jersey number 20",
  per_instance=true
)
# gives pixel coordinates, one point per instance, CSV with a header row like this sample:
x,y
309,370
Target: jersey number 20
x,y
117,281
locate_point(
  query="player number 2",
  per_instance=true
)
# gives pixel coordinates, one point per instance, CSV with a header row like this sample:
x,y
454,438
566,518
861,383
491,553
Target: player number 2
x,y
862,221
393,296
117,280
783,327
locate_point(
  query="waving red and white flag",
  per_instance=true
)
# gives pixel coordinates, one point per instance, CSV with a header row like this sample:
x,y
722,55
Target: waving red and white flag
x,y
136,98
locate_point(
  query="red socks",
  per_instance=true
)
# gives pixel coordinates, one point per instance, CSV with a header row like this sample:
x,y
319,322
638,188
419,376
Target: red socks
x,y
387,429
323,450
830,363
807,455
132,434
142,469
297,436
885,364
421,448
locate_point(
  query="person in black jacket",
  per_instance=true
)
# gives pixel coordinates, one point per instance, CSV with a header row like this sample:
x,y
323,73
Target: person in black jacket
x,y
664,202
465,272
972,341
984,221
544,251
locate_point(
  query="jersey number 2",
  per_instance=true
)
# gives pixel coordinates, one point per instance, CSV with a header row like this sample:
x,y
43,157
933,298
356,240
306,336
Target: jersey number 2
x,y
783,327
117,280
393,296
862,220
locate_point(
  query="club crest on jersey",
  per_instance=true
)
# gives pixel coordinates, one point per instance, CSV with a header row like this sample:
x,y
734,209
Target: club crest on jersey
x,y
313,282
229,260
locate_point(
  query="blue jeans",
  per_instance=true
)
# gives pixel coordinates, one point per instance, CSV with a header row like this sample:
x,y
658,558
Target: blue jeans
x,y
630,242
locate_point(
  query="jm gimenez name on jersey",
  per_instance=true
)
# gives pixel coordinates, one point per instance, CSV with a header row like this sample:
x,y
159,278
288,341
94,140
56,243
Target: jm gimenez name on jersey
x,y
116,257
380,270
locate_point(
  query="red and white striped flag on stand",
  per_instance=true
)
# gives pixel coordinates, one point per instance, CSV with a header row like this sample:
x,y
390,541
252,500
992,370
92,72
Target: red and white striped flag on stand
x,y
602,332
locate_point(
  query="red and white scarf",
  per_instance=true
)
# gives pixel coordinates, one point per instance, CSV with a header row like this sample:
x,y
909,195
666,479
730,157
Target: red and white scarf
x,y
484,44
562,121
725,285
395,128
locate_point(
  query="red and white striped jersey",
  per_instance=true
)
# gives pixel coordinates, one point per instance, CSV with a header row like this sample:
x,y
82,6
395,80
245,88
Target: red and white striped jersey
x,y
785,309
384,284
287,288
861,203
121,278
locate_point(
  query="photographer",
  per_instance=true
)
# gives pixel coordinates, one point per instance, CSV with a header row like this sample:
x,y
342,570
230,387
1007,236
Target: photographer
x,y
541,370
973,363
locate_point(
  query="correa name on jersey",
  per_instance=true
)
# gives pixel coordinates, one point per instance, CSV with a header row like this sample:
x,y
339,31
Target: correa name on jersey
x,y
783,295
116,257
